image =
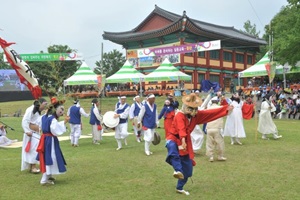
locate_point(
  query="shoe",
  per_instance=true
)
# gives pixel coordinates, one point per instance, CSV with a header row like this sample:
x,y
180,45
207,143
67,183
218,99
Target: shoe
x,y
211,159
48,183
183,192
221,158
232,143
239,142
51,178
76,145
138,139
148,153
264,137
178,175
35,171
119,148
277,136
96,142
125,142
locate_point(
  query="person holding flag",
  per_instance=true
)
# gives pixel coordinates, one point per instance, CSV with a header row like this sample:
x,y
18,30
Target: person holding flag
x,y
31,135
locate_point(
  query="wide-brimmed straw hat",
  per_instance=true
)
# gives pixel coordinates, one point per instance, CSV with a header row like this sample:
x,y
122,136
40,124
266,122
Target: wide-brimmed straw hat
x,y
192,100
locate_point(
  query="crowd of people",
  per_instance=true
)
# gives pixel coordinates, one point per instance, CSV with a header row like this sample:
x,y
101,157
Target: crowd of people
x,y
183,134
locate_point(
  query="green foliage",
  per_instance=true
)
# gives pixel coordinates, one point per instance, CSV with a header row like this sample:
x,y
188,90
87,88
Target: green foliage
x,y
3,65
285,27
52,74
112,62
250,29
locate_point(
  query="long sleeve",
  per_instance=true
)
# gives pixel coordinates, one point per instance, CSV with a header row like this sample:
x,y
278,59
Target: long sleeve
x,y
97,114
162,112
57,128
27,119
82,112
204,116
131,111
141,114
125,114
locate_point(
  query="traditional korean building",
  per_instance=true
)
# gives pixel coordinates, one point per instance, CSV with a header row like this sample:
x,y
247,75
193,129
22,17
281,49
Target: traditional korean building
x,y
162,28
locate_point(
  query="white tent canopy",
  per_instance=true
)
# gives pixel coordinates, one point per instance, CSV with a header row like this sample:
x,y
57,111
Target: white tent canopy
x,y
83,76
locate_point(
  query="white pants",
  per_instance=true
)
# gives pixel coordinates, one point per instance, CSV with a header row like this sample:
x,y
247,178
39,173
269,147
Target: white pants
x,y
75,133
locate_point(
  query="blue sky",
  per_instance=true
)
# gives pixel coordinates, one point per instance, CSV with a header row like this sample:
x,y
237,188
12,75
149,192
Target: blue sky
x,y
35,25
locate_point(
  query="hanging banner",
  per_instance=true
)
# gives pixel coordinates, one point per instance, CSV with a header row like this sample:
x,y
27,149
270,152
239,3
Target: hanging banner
x,y
180,49
271,70
50,57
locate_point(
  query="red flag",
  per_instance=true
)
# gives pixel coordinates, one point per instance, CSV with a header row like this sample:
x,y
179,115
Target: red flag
x,y
22,69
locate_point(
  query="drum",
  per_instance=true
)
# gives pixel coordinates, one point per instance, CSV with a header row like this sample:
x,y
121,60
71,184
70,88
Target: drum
x,y
109,120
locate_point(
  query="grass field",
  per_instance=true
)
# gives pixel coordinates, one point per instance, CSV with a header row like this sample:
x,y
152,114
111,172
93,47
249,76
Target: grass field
x,y
259,169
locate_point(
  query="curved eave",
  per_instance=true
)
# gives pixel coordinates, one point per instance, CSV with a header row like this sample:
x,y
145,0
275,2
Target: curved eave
x,y
222,32
133,37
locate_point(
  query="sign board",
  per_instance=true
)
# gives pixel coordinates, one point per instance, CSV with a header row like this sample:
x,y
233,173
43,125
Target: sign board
x,y
41,57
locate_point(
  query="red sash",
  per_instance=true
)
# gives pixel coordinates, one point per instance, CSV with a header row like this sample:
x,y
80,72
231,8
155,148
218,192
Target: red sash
x,y
41,150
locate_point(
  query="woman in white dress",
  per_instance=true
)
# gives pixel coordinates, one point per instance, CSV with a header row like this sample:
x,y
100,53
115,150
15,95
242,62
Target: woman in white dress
x,y
234,126
265,123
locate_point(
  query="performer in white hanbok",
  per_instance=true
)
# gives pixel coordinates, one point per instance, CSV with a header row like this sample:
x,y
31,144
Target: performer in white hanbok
x,y
133,115
96,122
5,141
265,123
31,135
148,117
75,112
51,159
122,111
234,126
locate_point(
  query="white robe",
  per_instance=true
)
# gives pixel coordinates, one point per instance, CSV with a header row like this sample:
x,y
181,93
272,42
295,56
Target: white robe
x,y
197,137
265,122
29,157
4,141
234,126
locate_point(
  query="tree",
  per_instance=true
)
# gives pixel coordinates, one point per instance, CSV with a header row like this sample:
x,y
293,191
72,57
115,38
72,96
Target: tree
x,y
3,65
285,28
112,62
52,74
250,29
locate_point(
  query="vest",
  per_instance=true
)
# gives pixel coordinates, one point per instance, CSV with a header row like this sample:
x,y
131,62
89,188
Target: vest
x,y
46,122
119,111
75,116
136,109
149,117
93,118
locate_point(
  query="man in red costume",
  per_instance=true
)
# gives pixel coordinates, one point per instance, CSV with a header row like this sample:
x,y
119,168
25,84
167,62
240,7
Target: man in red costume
x,y
179,144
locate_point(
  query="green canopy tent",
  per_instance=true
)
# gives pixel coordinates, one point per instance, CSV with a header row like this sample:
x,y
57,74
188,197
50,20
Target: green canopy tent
x,y
127,73
259,69
83,76
167,72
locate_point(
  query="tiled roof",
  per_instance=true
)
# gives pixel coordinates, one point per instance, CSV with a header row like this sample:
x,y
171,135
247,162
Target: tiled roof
x,y
192,26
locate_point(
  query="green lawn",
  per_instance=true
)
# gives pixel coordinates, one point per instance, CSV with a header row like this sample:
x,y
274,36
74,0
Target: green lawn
x,y
259,169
